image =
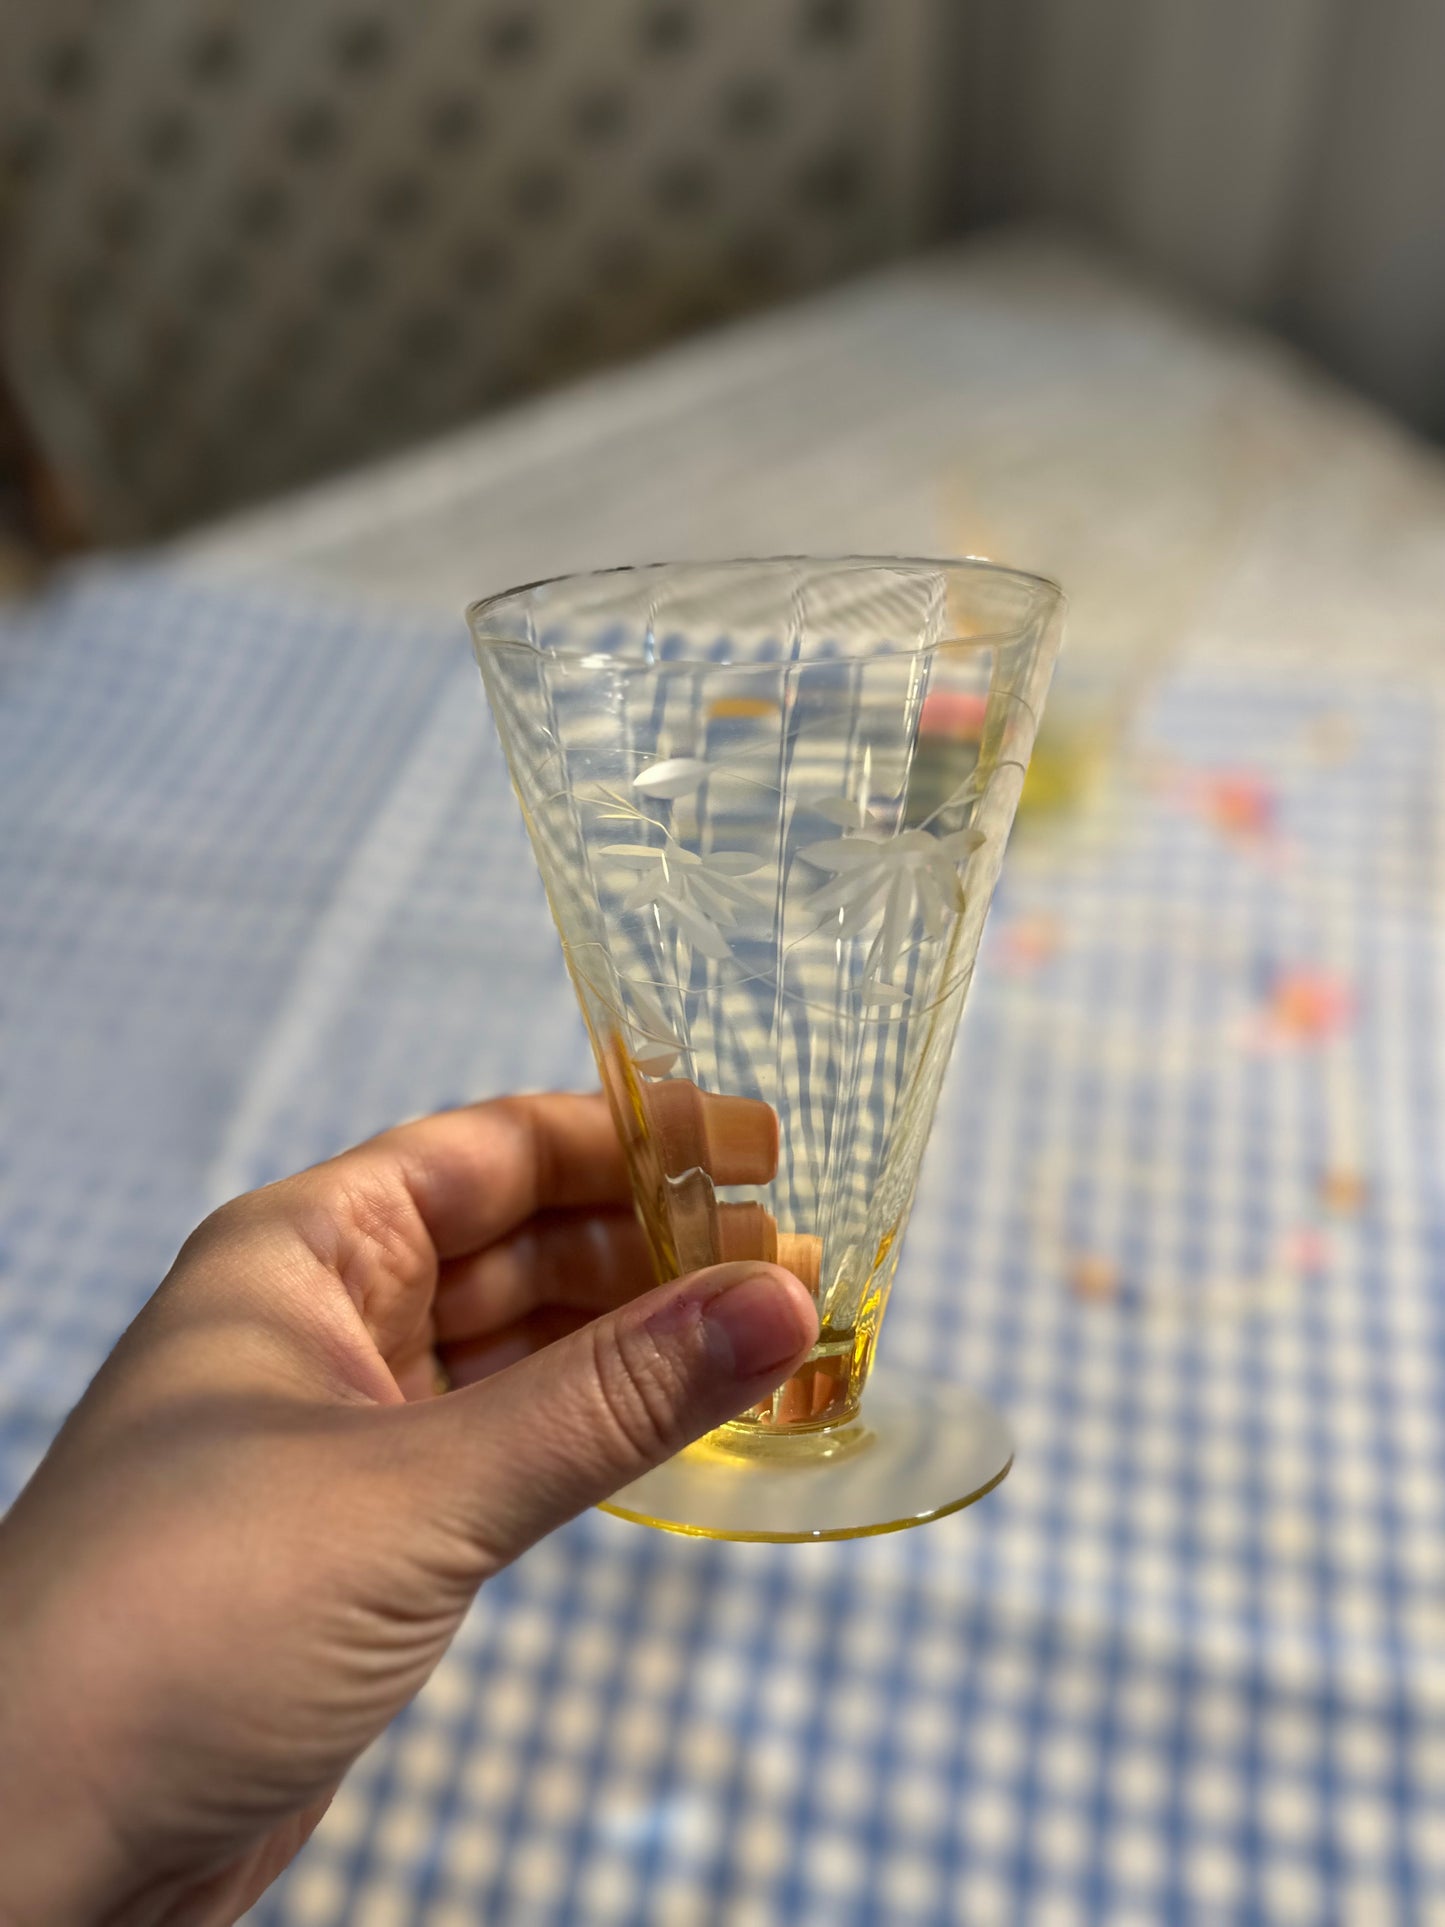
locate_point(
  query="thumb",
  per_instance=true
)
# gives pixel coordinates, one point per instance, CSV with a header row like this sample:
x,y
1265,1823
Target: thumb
x,y
546,1438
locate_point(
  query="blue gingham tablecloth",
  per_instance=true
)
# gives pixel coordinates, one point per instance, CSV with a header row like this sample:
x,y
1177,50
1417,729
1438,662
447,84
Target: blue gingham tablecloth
x,y
263,888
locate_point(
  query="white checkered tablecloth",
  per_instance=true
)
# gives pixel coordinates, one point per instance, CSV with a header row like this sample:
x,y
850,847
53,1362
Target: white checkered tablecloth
x,y
263,888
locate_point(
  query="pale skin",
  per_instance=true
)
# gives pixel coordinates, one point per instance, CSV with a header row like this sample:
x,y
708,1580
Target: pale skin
x,y
260,1528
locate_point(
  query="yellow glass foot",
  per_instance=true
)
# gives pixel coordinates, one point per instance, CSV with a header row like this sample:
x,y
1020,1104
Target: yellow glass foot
x,y
919,1449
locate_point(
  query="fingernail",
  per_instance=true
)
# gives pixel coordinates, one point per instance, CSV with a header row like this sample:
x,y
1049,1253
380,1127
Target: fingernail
x,y
757,1324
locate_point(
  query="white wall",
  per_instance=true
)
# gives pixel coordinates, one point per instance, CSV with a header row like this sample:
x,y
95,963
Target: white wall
x,y
1283,157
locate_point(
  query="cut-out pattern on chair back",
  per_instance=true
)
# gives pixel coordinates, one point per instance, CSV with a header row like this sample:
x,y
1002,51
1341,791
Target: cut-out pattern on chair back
x,y
244,244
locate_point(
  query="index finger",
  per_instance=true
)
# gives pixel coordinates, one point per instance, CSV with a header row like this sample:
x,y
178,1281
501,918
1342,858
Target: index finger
x,y
477,1173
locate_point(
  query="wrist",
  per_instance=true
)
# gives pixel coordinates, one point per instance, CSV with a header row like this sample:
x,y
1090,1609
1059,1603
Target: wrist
x,y
68,1856
57,1866
61,1860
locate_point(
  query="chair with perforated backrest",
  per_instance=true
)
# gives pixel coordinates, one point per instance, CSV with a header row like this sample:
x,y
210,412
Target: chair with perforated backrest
x,y
244,242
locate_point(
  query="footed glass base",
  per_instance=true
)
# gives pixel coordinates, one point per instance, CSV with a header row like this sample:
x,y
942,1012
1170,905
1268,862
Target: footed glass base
x,y
919,1449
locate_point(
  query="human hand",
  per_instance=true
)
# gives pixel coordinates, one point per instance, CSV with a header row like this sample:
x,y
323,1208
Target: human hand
x,y
260,1528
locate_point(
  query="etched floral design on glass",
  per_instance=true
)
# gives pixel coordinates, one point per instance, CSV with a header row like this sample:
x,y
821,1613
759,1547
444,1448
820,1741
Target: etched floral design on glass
x,y
769,802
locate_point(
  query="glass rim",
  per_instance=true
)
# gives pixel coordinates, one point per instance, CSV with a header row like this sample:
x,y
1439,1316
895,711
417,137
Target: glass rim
x,y
1048,593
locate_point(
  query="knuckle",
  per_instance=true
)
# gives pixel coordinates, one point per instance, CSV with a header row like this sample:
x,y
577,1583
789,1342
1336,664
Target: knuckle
x,y
639,1389
236,1218
379,1210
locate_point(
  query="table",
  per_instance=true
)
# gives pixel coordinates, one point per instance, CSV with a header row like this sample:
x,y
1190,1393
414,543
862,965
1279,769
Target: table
x,y
263,889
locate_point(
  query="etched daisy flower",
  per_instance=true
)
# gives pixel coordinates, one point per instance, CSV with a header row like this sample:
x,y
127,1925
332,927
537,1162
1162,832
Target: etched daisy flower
x,y
702,896
908,877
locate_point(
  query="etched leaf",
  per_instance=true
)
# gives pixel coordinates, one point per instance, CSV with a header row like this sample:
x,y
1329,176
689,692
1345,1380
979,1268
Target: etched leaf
x,y
844,810
862,885
702,933
936,908
638,855
643,892
859,915
962,843
718,896
676,776
735,863
656,1059
840,853
896,918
